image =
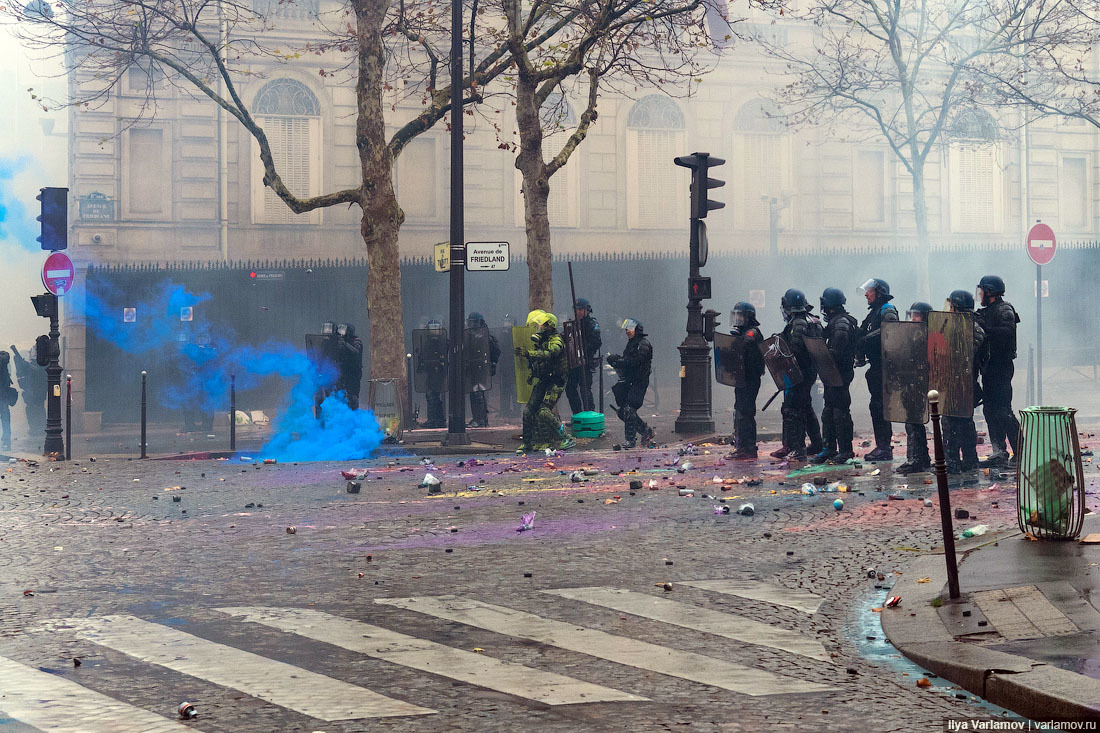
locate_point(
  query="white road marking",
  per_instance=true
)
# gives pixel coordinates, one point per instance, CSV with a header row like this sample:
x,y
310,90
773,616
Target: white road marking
x,y
277,682
799,600
58,705
699,618
428,656
619,649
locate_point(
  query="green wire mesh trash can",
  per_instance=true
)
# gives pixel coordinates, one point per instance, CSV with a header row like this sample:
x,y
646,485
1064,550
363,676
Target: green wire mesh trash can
x,y
1050,481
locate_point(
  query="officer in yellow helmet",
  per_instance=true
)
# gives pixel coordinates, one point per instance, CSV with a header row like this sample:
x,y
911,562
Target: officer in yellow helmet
x,y
549,368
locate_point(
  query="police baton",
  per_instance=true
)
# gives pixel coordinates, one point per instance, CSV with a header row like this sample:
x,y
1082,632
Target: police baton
x,y
770,401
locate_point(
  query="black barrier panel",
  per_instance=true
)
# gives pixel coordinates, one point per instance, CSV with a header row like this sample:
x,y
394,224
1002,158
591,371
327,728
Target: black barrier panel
x,y
951,361
823,361
429,360
729,359
781,363
905,371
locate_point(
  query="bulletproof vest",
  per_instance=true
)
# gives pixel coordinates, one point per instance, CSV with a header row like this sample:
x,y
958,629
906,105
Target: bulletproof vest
x,y
999,315
638,347
843,329
754,358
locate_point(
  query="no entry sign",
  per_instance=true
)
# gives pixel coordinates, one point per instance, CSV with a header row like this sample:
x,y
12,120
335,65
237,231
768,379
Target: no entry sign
x,y
1041,244
58,273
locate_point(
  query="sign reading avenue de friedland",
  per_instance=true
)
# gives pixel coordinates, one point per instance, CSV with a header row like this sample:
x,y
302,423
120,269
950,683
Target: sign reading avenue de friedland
x,y
486,256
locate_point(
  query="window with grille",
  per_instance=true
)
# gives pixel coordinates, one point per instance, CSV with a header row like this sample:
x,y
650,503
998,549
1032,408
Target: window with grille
x,y
289,114
763,149
658,188
1075,194
975,173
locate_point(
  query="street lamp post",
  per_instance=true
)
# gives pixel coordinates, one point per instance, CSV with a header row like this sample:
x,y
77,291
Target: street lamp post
x,y
456,396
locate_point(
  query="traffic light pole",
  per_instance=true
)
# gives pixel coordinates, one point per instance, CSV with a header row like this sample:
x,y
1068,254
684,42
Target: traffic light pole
x,y
456,396
55,444
695,385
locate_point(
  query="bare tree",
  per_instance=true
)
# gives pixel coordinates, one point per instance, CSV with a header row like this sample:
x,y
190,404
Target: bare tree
x,y
900,70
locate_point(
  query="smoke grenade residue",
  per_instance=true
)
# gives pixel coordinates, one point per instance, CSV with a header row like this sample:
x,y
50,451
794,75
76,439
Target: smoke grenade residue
x,y
207,358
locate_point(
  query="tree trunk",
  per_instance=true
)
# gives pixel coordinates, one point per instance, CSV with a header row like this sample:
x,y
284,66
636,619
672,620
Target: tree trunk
x,y
536,193
920,216
382,217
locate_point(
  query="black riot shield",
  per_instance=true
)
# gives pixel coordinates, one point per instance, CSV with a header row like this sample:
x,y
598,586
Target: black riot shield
x,y
573,336
951,361
323,348
729,359
823,361
479,377
429,360
780,361
905,371
506,372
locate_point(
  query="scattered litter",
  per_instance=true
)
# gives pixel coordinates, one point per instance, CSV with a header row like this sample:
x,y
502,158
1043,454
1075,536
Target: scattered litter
x,y
354,487
808,489
685,466
28,594
292,530
637,485
591,471
615,500
838,504
474,487
896,497
76,661
576,476
1091,539
876,472
687,492
871,572
893,601
962,514
928,502
667,587
721,509
716,480
924,580
527,522
431,483
356,474
976,531
478,650
746,510
187,711
667,561
652,484
270,461
549,452
923,682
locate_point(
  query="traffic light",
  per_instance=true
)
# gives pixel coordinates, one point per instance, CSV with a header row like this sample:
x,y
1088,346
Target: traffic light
x,y
54,218
700,163
710,323
698,288
42,350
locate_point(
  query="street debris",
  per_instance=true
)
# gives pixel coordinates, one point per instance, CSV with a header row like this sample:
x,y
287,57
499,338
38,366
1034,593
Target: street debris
x,y
28,594
76,661
893,601
667,587
962,514
924,580
928,502
292,530
354,487
687,492
637,485
721,509
838,504
527,522
975,531
808,489
431,483
746,510
187,711
923,682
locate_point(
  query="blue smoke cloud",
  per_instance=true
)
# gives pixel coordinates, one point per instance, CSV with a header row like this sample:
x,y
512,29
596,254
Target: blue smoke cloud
x,y
16,223
207,362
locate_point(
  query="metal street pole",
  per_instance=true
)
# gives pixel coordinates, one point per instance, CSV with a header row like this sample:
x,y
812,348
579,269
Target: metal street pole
x,y
695,396
944,496
456,396
1039,334
55,444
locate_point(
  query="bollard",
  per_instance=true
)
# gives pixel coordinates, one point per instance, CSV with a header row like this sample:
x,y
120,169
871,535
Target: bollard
x,y
68,417
232,412
143,445
945,498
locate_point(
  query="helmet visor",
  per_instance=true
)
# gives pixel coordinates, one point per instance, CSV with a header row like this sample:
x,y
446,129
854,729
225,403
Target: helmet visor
x,y
867,286
979,294
738,319
915,316
630,324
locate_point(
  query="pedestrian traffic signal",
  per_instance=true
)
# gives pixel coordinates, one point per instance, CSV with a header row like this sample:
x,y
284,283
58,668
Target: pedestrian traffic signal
x,y
54,218
699,288
700,163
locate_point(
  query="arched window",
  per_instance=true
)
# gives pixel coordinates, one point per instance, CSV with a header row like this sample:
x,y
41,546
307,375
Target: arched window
x,y
559,120
975,165
290,116
657,189
763,151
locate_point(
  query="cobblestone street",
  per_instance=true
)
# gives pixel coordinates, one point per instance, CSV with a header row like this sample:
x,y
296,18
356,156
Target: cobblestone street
x,y
395,610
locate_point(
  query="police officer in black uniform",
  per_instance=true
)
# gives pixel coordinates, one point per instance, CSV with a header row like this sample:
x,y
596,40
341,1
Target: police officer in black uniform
x,y
869,352
960,434
434,396
916,436
841,335
479,406
634,366
743,325
799,419
578,385
998,318
350,363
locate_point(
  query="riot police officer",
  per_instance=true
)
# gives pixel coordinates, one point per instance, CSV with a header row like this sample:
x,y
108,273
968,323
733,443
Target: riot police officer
x,y
479,406
877,293
350,364
916,437
841,335
960,440
578,387
436,379
549,364
799,419
634,366
998,318
8,396
743,325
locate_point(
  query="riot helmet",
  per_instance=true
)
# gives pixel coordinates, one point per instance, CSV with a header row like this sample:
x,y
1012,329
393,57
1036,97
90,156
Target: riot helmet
x,y
328,328
989,287
633,327
349,331
434,325
793,301
832,298
342,329
961,301
879,287
582,305
475,320
743,314
920,308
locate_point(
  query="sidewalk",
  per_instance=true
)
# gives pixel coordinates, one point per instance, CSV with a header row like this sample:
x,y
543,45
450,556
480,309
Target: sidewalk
x,y
1025,634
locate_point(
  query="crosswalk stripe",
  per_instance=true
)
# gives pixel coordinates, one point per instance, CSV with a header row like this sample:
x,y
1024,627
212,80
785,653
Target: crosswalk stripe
x,y
276,682
699,618
56,704
799,600
428,656
619,649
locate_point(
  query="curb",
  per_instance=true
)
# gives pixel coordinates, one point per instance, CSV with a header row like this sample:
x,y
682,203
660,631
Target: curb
x,y
1033,689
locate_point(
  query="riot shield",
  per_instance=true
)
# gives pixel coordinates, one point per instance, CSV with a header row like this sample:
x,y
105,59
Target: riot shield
x,y
905,371
506,371
429,360
951,361
479,376
823,361
573,336
729,359
780,361
322,348
384,400
521,337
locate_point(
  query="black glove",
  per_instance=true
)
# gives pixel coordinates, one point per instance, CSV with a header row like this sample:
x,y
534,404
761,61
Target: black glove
x,y
613,359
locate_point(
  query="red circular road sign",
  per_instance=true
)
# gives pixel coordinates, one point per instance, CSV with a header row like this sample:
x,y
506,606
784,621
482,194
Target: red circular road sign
x,y
58,273
1041,244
